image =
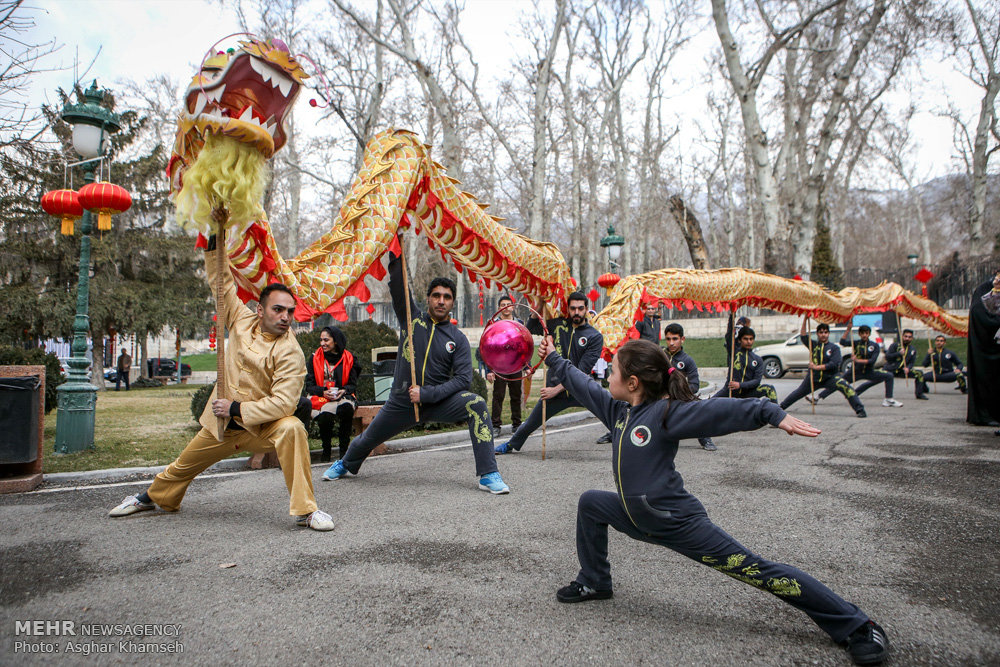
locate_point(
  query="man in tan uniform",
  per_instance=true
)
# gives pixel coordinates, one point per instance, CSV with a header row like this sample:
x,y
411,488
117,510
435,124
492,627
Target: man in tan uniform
x,y
265,369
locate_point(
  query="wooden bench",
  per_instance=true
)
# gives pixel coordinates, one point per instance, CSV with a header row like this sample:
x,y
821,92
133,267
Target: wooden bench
x,y
363,416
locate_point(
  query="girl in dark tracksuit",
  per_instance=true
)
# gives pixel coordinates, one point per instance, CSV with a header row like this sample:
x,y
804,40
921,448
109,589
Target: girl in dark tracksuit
x,y
652,505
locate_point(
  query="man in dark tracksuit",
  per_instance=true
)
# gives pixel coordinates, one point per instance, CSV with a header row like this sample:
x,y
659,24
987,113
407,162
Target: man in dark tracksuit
x,y
747,369
864,354
682,361
945,365
901,362
577,341
444,375
650,504
823,366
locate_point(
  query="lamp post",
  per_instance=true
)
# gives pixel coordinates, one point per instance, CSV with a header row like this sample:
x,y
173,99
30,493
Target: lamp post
x,y
91,123
912,259
613,242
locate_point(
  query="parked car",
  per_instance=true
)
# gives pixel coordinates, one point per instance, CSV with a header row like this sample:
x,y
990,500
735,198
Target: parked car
x,y
792,355
165,366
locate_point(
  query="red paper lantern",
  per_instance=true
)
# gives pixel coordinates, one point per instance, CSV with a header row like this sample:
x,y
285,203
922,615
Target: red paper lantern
x,y
105,199
593,295
608,280
66,205
923,275
371,310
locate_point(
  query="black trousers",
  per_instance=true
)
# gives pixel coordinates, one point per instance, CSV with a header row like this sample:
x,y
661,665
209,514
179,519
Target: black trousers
x,y
397,415
344,418
703,542
760,391
919,384
950,376
513,387
871,378
833,383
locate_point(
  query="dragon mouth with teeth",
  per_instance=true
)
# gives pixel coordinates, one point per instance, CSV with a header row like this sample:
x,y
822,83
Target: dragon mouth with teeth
x,y
245,94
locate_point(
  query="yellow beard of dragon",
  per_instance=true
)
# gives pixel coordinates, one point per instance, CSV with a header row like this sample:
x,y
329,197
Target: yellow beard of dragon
x,y
235,110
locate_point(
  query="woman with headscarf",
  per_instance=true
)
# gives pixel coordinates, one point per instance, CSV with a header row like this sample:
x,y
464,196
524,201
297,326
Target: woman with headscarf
x,y
984,355
331,380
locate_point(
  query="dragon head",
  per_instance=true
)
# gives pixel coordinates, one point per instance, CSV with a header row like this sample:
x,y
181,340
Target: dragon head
x,y
244,93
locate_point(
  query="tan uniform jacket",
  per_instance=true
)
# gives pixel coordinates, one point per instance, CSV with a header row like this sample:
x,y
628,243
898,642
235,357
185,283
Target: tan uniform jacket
x,y
263,372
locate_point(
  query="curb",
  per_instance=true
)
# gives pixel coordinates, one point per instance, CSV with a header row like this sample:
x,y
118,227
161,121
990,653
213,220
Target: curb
x,y
240,464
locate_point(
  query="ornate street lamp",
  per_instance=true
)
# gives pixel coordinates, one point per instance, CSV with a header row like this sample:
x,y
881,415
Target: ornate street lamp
x,y
912,259
613,242
92,124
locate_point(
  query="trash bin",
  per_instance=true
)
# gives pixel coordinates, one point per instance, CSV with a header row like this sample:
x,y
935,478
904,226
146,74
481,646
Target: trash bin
x,y
382,372
19,403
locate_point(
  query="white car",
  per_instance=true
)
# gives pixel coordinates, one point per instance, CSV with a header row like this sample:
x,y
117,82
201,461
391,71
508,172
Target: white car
x,y
792,355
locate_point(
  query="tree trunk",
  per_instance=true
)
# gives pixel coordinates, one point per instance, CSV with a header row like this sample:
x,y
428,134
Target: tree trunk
x,y
691,230
97,366
540,123
776,245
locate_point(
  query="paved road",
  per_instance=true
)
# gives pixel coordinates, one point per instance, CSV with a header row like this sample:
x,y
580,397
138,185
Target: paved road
x,y
897,512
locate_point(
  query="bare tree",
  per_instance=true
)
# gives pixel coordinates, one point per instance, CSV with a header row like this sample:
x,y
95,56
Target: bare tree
x,y
983,70
896,142
746,83
22,58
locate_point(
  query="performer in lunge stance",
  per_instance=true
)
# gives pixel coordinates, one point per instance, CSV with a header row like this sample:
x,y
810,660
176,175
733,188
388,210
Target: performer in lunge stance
x,y
822,368
682,361
900,359
331,380
649,408
864,354
945,364
443,362
747,370
582,345
266,368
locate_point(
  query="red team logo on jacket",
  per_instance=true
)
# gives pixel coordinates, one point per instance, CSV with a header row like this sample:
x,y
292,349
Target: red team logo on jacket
x,y
640,436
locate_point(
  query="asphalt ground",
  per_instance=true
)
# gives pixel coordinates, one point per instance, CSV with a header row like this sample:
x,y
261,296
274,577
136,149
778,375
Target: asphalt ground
x,y
896,513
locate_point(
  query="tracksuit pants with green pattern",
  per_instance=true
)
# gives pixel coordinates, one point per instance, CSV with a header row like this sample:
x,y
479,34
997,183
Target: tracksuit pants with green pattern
x,y
397,415
703,542
833,383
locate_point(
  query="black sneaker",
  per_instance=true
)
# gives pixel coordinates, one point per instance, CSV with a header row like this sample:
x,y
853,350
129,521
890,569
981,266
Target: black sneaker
x,y
861,413
708,445
604,439
812,401
868,645
923,397
577,592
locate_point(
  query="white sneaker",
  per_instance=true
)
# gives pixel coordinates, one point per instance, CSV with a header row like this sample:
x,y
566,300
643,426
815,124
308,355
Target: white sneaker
x,y
891,403
318,520
131,505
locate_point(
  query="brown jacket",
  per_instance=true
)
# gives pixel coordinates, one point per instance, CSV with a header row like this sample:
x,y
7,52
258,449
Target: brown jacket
x,y
263,372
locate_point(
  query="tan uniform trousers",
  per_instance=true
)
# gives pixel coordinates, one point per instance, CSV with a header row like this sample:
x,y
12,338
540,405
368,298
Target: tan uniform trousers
x,y
285,436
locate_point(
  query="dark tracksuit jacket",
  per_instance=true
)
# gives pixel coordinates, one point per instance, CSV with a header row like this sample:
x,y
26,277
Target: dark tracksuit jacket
x,y
829,355
649,329
650,502
896,362
444,374
869,351
947,367
682,361
582,346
